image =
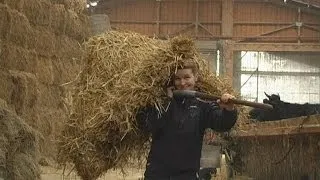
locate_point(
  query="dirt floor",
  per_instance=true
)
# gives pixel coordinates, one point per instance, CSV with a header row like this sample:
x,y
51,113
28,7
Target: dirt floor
x,y
50,173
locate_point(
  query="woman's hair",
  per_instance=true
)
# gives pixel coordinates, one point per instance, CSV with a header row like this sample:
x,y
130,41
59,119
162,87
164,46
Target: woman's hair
x,y
189,64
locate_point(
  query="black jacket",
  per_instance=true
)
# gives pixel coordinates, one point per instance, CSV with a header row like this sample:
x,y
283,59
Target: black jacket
x,y
177,134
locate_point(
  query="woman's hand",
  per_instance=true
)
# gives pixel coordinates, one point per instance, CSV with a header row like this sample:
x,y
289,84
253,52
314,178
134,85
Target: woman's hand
x,y
224,102
170,91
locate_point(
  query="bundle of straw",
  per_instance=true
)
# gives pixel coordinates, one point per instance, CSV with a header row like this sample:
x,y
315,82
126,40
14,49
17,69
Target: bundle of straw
x,y
125,71
18,148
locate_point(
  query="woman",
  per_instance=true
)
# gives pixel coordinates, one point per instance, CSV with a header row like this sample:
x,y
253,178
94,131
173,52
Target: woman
x,y
178,132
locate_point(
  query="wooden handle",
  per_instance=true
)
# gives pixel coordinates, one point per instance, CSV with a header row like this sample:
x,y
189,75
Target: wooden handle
x,y
235,101
252,104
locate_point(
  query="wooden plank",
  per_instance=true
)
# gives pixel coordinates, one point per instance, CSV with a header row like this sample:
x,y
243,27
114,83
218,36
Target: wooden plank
x,y
300,125
292,47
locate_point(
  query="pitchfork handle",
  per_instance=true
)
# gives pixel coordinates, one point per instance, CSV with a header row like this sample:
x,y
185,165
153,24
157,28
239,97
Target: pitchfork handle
x,y
235,101
214,98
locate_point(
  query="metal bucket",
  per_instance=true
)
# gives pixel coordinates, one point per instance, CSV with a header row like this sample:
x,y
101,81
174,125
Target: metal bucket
x,y
99,23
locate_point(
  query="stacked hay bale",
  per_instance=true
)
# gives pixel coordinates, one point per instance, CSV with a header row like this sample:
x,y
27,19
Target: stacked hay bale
x,y
39,51
18,148
124,72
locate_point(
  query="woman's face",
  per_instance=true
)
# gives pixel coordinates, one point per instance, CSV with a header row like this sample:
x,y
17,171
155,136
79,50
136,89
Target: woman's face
x,y
185,79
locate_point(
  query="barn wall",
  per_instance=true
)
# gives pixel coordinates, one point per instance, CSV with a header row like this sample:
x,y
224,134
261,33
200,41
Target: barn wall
x,y
295,76
260,21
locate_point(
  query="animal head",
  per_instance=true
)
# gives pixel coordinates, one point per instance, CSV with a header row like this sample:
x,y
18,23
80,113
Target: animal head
x,y
273,97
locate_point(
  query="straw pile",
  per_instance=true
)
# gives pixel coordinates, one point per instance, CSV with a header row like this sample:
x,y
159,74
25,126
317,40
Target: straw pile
x,y
124,71
278,157
18,148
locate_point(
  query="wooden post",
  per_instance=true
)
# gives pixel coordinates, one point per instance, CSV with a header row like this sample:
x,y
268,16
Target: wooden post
x,y
197,19
158,17
227,18
226,47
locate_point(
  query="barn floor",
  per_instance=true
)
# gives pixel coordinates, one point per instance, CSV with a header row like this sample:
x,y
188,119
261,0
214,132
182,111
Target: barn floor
x,y
51,173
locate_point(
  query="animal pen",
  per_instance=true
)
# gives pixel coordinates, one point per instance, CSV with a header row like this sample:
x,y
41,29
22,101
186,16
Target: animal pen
x,y
284,149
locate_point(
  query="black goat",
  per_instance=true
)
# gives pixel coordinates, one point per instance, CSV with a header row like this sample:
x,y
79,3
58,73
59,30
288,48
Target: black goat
x,y
283,110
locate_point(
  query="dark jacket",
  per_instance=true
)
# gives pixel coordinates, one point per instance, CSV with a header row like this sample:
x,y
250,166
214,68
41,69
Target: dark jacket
x,y
177,134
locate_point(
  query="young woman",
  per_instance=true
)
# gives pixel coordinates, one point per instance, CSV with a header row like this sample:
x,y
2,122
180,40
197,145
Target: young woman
x,y
177,134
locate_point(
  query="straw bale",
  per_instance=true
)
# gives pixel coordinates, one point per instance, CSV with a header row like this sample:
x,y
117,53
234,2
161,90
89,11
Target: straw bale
x,y
77,25
6,85
77,6
124,72
42,40
58,18
15,4
50,96
4,21
20,59
50,128
44,70
19,148
25,96
19,28
278,157
37,12
17,58
68,48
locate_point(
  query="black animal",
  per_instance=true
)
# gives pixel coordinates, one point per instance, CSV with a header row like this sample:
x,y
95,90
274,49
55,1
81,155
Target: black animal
x,y
283,110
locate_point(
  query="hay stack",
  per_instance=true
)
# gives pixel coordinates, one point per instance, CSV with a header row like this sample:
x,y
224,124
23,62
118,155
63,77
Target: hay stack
x,y
125,71
18,148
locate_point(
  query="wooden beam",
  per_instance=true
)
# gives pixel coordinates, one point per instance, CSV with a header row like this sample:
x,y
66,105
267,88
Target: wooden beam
x,y
227,18
227,59
197,19
299,125
291,47
158,17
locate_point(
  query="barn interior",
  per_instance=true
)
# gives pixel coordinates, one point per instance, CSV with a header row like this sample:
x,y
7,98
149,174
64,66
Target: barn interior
x,y
259,47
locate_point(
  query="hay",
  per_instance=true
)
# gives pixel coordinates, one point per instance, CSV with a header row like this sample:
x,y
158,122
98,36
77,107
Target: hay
x,y
278,157
42,40
18,148
4,23
58,18
124,71
14,4
77,25
19,28
37,12
77,6
14,57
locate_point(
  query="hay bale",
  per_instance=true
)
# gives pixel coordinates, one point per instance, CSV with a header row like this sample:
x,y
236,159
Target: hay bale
x,y
77,25
4,21
25,96
18,148
37,12
42,40
58,19
124,71
14,57
19,28
6,89
14,4
68,49
77,6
